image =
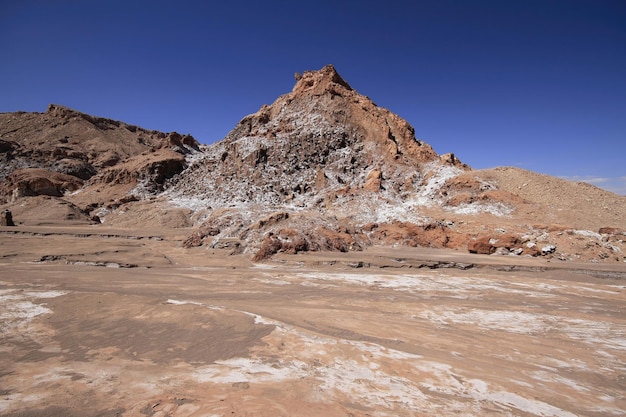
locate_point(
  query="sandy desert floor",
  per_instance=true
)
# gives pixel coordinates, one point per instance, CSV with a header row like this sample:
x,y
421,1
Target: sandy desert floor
x,y
99,322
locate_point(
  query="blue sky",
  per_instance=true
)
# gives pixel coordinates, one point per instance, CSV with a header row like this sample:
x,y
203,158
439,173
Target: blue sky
x,y
540,85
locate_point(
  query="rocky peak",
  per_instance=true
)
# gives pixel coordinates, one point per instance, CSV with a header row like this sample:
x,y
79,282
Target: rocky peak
x,y
324,109
321,138
61,111
318,82
67,114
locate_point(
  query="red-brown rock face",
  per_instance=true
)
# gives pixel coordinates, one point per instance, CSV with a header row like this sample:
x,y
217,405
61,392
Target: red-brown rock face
x,y
322,168
323,150
349,174
62,150
320,139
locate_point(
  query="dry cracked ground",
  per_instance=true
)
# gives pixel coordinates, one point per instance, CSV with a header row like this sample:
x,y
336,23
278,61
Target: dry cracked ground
x,y
119,323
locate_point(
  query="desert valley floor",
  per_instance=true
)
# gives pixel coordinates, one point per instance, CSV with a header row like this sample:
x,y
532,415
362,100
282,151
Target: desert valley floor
x,y
103,322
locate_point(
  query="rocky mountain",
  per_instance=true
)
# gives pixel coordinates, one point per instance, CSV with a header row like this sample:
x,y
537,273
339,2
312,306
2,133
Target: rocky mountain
x,y
322,136
62,151
321,168
325,168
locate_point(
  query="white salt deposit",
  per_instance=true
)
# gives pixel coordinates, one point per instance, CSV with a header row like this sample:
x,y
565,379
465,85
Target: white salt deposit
x,y
595,333
429,194
18,309
481,392
340,372
44,294
368,373
496,209
180,303
253,370
425,285
588,233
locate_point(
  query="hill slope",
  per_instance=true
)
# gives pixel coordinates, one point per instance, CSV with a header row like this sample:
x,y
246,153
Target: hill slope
x,y
90,162
321,168
321,137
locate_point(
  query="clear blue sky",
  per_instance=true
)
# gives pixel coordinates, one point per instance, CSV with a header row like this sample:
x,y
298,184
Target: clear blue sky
x,y
538,84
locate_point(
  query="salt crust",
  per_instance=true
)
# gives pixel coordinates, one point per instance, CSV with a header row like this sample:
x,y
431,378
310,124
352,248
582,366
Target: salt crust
x,y
596,333
356,370
19,308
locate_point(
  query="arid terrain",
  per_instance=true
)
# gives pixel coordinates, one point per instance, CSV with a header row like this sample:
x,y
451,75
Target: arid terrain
x,y
320,260
323,168
99,321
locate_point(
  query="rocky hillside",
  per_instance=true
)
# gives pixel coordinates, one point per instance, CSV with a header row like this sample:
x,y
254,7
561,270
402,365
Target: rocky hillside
x,y
321,138
325,168
321,168
69,142
312,168
90,162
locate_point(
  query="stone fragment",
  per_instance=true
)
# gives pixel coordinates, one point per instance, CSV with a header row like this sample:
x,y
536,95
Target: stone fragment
x,y
6,218
373,181
481,246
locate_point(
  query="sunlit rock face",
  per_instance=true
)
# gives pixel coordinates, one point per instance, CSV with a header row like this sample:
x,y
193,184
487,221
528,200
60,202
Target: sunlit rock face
x,y
321,139
321,168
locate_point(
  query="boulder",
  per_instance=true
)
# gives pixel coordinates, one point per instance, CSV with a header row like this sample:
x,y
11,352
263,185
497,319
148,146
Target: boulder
x,y
481,245
6,218
373,181
32,182
611,231
531,251
508,242
451,159
502,244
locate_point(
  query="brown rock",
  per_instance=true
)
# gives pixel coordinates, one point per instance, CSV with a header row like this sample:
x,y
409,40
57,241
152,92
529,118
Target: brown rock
x,y
373,181
320,137
271,245
611,231
292,241
6,218
451,159
507,241
432,235
532,251
272,219
321,181
43,209
336,240
319,152
481,245
66,140
557,228
153,169
32,182
370,227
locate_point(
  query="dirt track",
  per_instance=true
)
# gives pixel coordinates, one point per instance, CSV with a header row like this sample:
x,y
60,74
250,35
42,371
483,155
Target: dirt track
x,y
378,333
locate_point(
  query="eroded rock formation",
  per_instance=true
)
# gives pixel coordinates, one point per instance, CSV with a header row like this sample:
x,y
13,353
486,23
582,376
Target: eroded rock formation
x,y
321,168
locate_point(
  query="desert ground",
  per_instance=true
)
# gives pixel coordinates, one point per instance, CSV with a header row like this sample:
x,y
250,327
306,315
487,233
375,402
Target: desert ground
x,y
110,322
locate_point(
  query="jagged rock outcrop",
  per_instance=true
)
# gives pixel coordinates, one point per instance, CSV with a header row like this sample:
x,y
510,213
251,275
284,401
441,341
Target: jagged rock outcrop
x,y
322,149
68,141
63,150
320,138
347,174
32,181
322,168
